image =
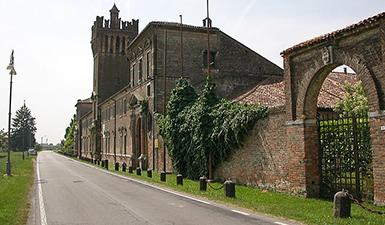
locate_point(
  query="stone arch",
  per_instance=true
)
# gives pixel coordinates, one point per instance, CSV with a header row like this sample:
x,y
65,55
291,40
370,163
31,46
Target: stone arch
x,y
311,86
306,66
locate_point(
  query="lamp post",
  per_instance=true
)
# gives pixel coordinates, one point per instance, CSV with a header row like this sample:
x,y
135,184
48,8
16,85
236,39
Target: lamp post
x,y
12,72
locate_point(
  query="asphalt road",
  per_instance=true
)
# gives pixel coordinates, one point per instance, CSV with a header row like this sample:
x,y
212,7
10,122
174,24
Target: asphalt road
x,y
75,193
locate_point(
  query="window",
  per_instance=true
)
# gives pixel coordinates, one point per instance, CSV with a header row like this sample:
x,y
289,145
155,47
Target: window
x,y
106,43
148,90
140,70
119,108
148,64
123,45
125,144
212,59
133,74
117,45
125,106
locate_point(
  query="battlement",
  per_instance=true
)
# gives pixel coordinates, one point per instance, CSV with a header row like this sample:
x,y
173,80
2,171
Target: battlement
x,y
102,23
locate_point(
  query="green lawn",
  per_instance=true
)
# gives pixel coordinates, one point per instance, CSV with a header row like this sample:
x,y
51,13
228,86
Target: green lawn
x,y
14,190
308,211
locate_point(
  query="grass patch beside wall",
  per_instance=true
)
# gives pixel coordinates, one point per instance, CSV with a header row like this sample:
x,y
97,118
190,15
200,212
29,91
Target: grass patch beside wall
x,y
14,190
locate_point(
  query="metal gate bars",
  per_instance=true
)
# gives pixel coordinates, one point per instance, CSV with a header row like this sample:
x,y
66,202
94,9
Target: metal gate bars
x,y
345,154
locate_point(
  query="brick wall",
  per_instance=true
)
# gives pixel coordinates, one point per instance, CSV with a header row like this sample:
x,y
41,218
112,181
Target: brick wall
x,y
263,159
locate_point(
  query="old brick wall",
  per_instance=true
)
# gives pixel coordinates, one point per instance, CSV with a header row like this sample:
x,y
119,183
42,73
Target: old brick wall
x,y
263,159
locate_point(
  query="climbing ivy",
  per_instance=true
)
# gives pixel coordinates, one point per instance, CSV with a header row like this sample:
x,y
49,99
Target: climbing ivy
x,y
197,126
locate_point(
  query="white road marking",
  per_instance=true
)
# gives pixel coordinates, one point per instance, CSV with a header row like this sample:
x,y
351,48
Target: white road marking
x,y
138,181
240,212
43,217
279,223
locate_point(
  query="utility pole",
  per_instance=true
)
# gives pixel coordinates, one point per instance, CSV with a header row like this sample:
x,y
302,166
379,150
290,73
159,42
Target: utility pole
x,y
164,91
181,46
12,72
208,23
208,39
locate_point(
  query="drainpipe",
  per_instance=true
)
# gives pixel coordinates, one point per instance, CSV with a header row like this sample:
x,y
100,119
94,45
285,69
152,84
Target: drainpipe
x,y
114,131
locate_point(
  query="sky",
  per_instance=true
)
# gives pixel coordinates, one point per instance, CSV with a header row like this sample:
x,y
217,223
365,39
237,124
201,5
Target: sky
x,y
53,57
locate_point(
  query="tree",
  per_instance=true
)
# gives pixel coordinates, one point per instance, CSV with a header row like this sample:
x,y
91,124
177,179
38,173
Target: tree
x,y
23,129
68,142
354,101
3,140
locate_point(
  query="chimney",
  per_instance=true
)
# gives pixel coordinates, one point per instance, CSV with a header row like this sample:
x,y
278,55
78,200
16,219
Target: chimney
x,y
345,70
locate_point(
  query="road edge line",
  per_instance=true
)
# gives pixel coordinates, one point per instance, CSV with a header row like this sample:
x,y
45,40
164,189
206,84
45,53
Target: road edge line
x,y
43,216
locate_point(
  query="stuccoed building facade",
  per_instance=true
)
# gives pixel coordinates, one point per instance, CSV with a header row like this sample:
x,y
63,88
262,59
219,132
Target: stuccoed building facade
x,y
135,72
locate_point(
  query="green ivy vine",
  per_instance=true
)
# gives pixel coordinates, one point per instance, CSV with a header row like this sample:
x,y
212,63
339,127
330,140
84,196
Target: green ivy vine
x,y
196,126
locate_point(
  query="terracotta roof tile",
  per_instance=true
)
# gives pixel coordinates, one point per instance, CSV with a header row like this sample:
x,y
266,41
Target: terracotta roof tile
x,y
367,23
271,91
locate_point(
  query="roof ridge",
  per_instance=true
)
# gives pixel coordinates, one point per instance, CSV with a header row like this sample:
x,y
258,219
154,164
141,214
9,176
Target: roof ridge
x,y
247,94
363,23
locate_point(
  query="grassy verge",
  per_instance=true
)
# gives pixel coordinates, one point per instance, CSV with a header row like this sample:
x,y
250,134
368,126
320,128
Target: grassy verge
x,y
309,211
14,190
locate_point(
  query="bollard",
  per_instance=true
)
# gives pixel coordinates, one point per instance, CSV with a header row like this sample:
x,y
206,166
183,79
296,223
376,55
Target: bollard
x,y
116,166
179,179
138,171
149,173
341,205
106,164
203,183
163,176
124,167
229,188
102,163
130,169
98,162
23,155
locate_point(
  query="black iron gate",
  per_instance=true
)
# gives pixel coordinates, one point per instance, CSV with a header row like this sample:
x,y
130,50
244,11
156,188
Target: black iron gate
x,y
345,154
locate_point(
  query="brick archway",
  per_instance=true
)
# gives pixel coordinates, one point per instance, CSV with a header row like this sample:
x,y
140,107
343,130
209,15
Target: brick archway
x,y
360,46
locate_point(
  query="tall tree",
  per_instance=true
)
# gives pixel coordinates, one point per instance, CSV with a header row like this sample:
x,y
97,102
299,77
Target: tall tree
x,y
68,142
23,129
355,99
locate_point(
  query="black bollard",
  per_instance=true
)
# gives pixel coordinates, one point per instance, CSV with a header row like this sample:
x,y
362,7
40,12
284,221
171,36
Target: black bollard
x,y
341,205
130,169
106,164
163,176
179,179
203,183
102,163
149,173
138,171
23,155
116,166
98,163
124,167
229,188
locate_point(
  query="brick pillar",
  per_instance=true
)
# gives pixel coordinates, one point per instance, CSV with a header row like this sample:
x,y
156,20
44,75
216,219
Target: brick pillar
x,y
304,174
378,147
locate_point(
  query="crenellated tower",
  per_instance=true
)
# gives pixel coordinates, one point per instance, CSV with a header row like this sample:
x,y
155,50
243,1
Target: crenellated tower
x,y
109,41
110,38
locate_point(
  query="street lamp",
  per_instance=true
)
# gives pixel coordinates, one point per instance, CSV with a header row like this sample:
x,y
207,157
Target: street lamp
x,y
12,72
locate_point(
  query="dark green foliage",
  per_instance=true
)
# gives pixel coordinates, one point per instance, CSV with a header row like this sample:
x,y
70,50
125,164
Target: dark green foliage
x,y
23,129
68,142
197,126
